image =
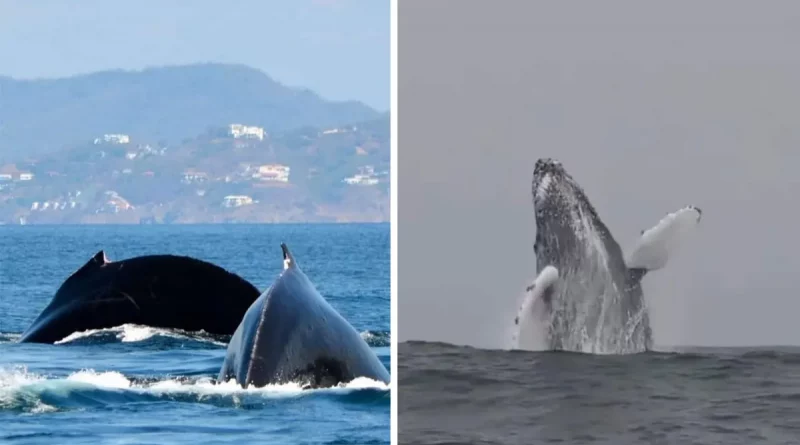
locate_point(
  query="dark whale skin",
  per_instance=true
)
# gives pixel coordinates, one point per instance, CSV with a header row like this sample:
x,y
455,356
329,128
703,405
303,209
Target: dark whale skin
x,y
292,334
156,290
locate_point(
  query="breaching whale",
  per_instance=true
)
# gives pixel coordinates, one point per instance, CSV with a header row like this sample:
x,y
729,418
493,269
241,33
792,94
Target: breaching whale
x,y
156,290
587,296
291,334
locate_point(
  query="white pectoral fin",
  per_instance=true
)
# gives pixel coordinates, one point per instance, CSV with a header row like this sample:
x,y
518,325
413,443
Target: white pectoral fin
x,y
540,290
654,247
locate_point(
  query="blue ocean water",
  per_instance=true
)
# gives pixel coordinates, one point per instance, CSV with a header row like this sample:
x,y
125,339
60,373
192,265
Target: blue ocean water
x,y
135,384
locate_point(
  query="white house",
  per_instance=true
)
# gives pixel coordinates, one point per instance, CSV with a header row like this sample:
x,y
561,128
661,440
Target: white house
x,y
113,139
360,180
236,201
244,131
273,172
193,176
365,176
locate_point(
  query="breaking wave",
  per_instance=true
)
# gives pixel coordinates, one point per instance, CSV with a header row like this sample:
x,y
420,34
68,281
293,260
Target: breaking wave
x,y
22,391
377,338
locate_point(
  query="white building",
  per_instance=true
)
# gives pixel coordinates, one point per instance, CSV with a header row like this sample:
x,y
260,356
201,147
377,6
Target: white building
x,y
243,131
360,180
340,130
365,176
113,139
191,176
273,172
236,201
114,203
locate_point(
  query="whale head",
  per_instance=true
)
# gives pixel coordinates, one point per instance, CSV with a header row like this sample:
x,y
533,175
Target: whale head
x,y
552,184
566,223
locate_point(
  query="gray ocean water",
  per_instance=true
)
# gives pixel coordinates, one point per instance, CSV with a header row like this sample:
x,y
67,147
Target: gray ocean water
x,y
139,385
460,395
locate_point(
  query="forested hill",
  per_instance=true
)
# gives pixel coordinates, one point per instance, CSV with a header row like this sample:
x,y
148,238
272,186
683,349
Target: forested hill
x,y
159,104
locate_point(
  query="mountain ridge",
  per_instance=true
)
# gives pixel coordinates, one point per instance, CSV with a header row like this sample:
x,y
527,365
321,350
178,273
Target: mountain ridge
x,y
39,116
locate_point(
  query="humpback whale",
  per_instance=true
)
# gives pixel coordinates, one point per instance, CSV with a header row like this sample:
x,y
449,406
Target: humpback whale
x,y
156,290
291,334
587,296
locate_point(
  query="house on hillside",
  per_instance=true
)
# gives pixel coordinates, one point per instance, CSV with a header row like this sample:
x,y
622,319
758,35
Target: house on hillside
x,y
365,176
113,139
339,130
236,201
114,203
9,172
244,131
192,176
273,172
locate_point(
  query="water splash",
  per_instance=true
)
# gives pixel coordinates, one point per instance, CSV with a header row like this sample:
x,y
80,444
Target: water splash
x,y
129,333
23,391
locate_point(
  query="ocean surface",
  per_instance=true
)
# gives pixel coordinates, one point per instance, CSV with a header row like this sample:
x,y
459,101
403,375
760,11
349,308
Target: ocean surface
x,y
140,385
460,395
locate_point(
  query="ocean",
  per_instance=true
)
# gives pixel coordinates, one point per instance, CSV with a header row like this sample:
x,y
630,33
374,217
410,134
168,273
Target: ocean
x,y
461,395
141,385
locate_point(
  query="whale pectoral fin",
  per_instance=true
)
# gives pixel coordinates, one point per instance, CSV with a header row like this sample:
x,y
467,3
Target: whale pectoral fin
x,y
540,290
655,244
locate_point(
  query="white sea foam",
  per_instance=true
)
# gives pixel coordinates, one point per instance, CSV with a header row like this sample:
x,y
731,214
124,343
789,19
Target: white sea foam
x,y
109,379
9,337
136,333
18,381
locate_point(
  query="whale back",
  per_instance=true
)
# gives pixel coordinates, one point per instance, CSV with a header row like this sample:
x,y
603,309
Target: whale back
x,y
292,334
155,290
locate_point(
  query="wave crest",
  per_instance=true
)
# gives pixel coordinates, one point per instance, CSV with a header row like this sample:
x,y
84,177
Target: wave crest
x,y
23,391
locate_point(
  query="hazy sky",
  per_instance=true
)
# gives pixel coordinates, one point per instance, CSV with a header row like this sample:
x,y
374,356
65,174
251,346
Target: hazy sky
x,y
650,106
338,48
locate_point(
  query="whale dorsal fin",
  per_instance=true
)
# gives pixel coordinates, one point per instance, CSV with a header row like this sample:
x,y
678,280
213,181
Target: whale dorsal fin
x,y
100,258
540,290
657,243
288,259
97,260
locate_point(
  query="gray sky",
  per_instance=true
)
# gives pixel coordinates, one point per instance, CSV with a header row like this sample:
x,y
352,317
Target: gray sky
x,y
651,106
338,48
